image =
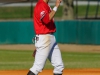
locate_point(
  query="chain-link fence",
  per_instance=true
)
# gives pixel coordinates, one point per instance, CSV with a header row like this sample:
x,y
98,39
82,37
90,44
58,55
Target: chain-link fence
x,y
84,9
13,1
92,6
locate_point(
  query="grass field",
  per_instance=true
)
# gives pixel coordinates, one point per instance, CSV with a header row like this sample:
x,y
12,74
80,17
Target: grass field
x,y
24,12
20,60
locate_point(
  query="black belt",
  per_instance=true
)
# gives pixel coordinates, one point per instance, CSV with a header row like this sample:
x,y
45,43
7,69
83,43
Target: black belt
x,y
44,33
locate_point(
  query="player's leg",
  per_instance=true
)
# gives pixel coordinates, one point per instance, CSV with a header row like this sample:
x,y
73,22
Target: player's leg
x,y
43,49
56,60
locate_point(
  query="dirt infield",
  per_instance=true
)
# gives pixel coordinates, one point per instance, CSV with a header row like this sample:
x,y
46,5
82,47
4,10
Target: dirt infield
x,y
49,72
64,47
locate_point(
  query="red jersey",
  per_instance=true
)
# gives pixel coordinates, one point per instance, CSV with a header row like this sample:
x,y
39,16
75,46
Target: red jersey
x,y
42,23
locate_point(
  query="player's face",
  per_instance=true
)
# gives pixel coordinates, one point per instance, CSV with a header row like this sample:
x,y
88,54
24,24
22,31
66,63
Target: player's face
x,y
48,0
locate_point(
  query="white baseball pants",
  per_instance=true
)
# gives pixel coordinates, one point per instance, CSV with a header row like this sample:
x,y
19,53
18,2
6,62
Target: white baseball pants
x,y
47,47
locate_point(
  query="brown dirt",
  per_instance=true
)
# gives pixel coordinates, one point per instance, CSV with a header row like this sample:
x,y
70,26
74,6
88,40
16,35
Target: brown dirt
x,y
49,72
63,47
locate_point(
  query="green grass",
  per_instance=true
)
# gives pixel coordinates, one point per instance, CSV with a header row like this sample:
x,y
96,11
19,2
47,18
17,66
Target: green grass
x,y
25,12
91,12
81,60
17,60
15,12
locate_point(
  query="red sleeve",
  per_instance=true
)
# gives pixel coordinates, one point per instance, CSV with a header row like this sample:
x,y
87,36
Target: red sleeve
x,y
44,14
46,19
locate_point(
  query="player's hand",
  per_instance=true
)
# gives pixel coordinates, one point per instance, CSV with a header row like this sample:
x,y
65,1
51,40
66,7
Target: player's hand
x,y
58,2
34,53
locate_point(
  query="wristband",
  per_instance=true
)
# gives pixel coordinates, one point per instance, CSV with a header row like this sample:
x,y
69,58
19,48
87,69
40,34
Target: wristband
x,y
55,8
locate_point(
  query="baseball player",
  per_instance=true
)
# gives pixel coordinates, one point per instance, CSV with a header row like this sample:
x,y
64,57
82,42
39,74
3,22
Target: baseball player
x,y
45,42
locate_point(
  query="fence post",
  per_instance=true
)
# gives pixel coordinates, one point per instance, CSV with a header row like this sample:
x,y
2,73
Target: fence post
x,y
87,10
97,10
76,9
31,8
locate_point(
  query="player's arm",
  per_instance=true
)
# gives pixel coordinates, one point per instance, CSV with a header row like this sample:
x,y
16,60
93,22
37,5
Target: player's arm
x,y
47,17
53,12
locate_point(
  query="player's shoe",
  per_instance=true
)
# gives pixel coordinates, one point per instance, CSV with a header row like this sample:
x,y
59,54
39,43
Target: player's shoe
x,y
30,73
57,74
